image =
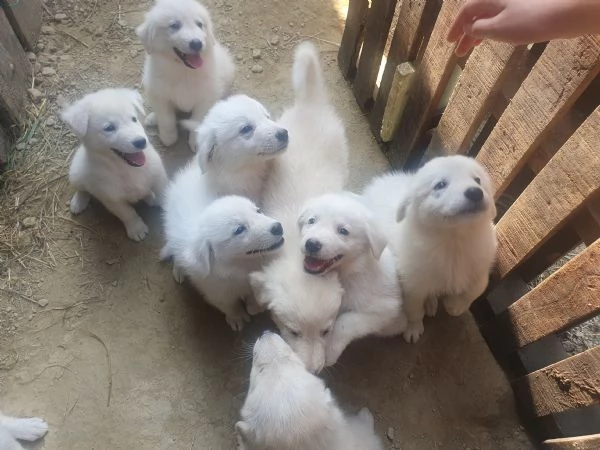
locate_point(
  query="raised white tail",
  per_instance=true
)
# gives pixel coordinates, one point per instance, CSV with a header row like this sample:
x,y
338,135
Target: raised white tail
x,y
307,75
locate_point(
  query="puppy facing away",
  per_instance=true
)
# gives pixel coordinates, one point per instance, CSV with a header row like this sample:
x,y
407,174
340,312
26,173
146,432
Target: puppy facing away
x,y
115,162
186,68
13,429
304,307
340,234
445,241
288,408
237,142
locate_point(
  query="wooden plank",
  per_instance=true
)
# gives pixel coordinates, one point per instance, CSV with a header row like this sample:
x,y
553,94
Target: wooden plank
x,y
377,28
416,19
26,19
566,298
14,75
561,74
570,177
568,384
590,442
397,100
350,45
483,75
430,81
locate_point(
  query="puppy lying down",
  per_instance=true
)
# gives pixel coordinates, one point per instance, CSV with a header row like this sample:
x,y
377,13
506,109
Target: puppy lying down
x,y
115,162
288,408
13,429
445,241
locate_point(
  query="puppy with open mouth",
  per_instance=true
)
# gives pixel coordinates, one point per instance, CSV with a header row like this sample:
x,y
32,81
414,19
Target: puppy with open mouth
x,y
444,241
186,68
218,246
115,162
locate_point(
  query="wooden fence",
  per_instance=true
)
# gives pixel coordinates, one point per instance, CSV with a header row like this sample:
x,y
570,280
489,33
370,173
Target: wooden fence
x,y
20,23
531,116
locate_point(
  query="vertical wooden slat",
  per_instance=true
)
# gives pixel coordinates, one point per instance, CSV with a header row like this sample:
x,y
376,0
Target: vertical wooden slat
x,y
25,16
430,81
377,28
415,20
477,88
561,74
569,178
350,45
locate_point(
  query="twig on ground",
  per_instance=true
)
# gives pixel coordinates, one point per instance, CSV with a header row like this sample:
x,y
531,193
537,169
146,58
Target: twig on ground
x,y
110,381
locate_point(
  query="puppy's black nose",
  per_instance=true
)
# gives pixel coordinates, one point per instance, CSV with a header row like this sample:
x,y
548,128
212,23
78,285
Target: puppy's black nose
x,y
312,246
282,135
474,194
277,229
196,45
139,143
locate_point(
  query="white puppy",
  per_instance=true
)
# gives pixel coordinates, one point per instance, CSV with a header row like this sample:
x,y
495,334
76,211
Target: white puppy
x,y
304,307
445,242
23,429
288,408
115,163
236,145
340,233
186,68
218,246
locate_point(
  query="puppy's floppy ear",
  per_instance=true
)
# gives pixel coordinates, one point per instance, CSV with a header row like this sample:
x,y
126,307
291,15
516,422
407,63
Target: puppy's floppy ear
x,y
206,143
77,116
376,236
245,433
258,281
146,32
201,255
304,215
138,102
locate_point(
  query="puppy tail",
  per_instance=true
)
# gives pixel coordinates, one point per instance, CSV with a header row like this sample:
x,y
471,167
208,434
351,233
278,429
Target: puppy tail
x,y
307,75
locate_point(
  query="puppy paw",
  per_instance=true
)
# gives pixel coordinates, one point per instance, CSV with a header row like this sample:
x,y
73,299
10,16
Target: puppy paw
x,y
137,231
79,202
168,137
455,307
253,308
178,274
237,322
431,306
414,330
365,416
150,199
30,429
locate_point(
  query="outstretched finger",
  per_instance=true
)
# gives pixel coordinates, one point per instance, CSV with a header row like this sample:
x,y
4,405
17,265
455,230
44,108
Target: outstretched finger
x,y
469,12
465,44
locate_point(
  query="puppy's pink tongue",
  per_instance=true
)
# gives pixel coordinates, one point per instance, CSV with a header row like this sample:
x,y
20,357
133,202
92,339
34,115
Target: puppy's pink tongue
x,y
315,265
194,60
136,159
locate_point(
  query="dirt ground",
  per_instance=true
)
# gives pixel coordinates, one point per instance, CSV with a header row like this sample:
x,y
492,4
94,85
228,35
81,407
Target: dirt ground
x,y
96,337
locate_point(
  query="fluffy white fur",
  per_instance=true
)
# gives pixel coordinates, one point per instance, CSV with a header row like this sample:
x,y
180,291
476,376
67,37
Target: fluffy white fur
x,y
115,162
13,429
288,408
340,233
186,68
236,145
218,246
445,242
303,306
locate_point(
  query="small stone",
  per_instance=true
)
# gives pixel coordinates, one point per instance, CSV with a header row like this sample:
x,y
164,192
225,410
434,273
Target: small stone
x,y
291,24
66,57
38,67
162,298
34,94
256,53
43,302
50,121
29,222
274,40
411,376
115,283
98,32
34,141
390,433
40,46
239,57
31,57
301,24
47,29
21,146
60,16
48,71
122,23
256,68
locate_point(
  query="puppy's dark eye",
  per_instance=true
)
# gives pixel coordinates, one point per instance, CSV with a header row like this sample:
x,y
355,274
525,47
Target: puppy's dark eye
x,y
134,119
109,127
440,185
477,180
247,129
325,332
344,231
295,333
175,25
311,221
199,24
239,230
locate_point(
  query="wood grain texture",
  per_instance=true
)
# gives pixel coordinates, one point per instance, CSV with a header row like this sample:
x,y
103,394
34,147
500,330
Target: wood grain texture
x,y
568,297
477,88
415,22
569,178
429,83
350,45
571,383
377,28
562,73
26,19
397,100
590,442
